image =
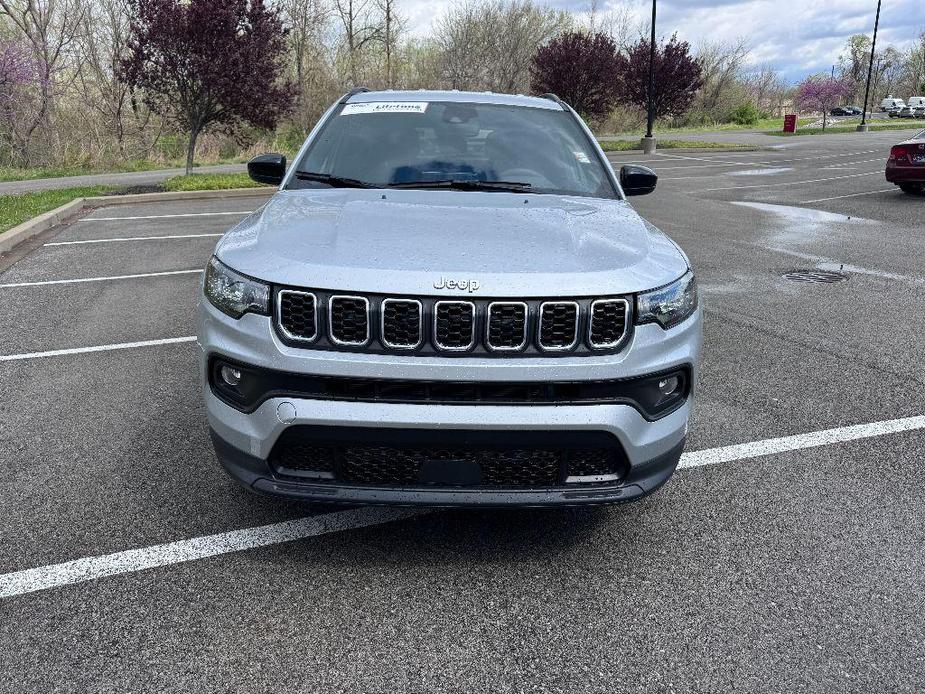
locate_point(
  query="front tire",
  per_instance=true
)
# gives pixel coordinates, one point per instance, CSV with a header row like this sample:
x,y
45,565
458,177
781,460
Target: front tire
x,y
911,188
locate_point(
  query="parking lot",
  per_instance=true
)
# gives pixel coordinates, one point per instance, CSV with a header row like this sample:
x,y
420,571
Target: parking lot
x,y
780,565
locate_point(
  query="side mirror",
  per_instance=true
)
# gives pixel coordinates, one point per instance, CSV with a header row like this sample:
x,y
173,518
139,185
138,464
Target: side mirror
x,y
637,180
267,168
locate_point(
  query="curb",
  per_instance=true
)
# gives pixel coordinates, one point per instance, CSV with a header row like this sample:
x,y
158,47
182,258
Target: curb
x,y
46,220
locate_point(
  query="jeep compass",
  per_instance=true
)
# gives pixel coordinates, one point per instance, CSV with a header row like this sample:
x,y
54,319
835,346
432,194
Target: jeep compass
x,y
449,301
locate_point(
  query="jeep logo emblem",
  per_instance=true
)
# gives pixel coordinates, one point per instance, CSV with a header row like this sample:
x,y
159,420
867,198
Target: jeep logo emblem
x,y
462,285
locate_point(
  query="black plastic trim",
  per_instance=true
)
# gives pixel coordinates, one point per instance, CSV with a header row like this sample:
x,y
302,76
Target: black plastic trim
x,y
269,384
353,92
256,475
553,97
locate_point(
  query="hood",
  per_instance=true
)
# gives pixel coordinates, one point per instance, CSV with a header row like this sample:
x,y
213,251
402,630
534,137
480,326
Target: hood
x,y
433,242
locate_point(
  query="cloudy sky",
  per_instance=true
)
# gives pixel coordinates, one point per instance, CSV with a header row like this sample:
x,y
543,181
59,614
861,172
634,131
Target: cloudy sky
x,y
795,36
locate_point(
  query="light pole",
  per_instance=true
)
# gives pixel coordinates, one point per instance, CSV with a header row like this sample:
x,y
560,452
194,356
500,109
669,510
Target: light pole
x,y
876,79
863,127
648,142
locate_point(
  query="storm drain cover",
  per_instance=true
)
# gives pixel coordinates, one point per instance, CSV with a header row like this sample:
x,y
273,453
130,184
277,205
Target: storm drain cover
x,y
816,276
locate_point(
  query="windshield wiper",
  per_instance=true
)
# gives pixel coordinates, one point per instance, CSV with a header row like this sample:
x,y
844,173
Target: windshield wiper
x,y
333,181
466,184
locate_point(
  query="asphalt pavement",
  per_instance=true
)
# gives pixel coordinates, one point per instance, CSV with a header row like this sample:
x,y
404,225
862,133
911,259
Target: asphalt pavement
x,y
794,571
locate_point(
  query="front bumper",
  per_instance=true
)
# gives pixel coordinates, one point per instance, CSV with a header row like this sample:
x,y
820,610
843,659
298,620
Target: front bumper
x,y
256,474
244,441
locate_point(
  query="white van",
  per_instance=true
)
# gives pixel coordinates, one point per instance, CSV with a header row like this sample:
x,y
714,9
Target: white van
x,y
916,102
891,103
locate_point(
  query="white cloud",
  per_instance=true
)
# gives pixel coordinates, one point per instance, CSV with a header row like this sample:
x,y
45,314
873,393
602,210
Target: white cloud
x,y
795,36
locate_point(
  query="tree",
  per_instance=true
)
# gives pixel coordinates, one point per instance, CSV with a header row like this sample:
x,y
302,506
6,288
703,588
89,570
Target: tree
x,y
489,44
208,63
721,63
764,87
678,76
49,28
821,93
18,74
360,29
580,68
393,25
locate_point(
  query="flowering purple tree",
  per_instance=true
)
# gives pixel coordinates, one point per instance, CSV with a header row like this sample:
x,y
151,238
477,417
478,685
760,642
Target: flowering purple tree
x,y
19,73
580,68
208,63
678,76
821,93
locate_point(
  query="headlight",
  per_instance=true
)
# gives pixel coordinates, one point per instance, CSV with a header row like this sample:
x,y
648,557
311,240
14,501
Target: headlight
x,y
668,305
234,294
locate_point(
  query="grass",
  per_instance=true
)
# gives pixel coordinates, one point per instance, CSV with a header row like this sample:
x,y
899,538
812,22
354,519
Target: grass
x,y
836,129
16,209
763,124
624,145
210,182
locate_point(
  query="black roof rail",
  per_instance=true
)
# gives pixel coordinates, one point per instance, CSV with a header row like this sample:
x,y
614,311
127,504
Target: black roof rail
x,y
553,97
355,90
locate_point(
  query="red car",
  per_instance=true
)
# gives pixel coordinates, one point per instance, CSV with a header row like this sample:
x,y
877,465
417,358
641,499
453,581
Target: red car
x,y
906,165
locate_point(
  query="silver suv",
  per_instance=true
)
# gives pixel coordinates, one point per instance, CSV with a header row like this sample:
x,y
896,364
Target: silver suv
x,y
449,302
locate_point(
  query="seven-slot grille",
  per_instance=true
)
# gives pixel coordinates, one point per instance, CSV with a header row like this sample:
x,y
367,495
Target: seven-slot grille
x,y
429,326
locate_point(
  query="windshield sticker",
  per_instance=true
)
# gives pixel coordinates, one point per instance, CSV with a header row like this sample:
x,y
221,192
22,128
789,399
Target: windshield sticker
x,y
582,157
385,107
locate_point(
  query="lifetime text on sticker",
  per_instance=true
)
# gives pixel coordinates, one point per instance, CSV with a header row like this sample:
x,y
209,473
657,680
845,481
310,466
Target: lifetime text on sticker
x,y
385,107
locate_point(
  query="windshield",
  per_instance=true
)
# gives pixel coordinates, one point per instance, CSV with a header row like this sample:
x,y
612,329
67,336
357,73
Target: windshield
x,y
455,145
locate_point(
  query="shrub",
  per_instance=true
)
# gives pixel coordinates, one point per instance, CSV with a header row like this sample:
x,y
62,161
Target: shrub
x,y
745,114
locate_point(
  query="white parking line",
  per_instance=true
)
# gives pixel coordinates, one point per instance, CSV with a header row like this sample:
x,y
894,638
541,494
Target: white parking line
x,y
99,279
850,195
852,164
716,161
826,437
97,348
163,216
131,238
789,183
130,561
89,568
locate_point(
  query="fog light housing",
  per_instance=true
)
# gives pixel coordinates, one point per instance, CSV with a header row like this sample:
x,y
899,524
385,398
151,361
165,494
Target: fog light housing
x,y
667,386
230,375
659,394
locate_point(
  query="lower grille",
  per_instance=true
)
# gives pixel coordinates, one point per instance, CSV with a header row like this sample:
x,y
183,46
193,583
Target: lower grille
x,y
393,464
301,456
594,465
378,465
